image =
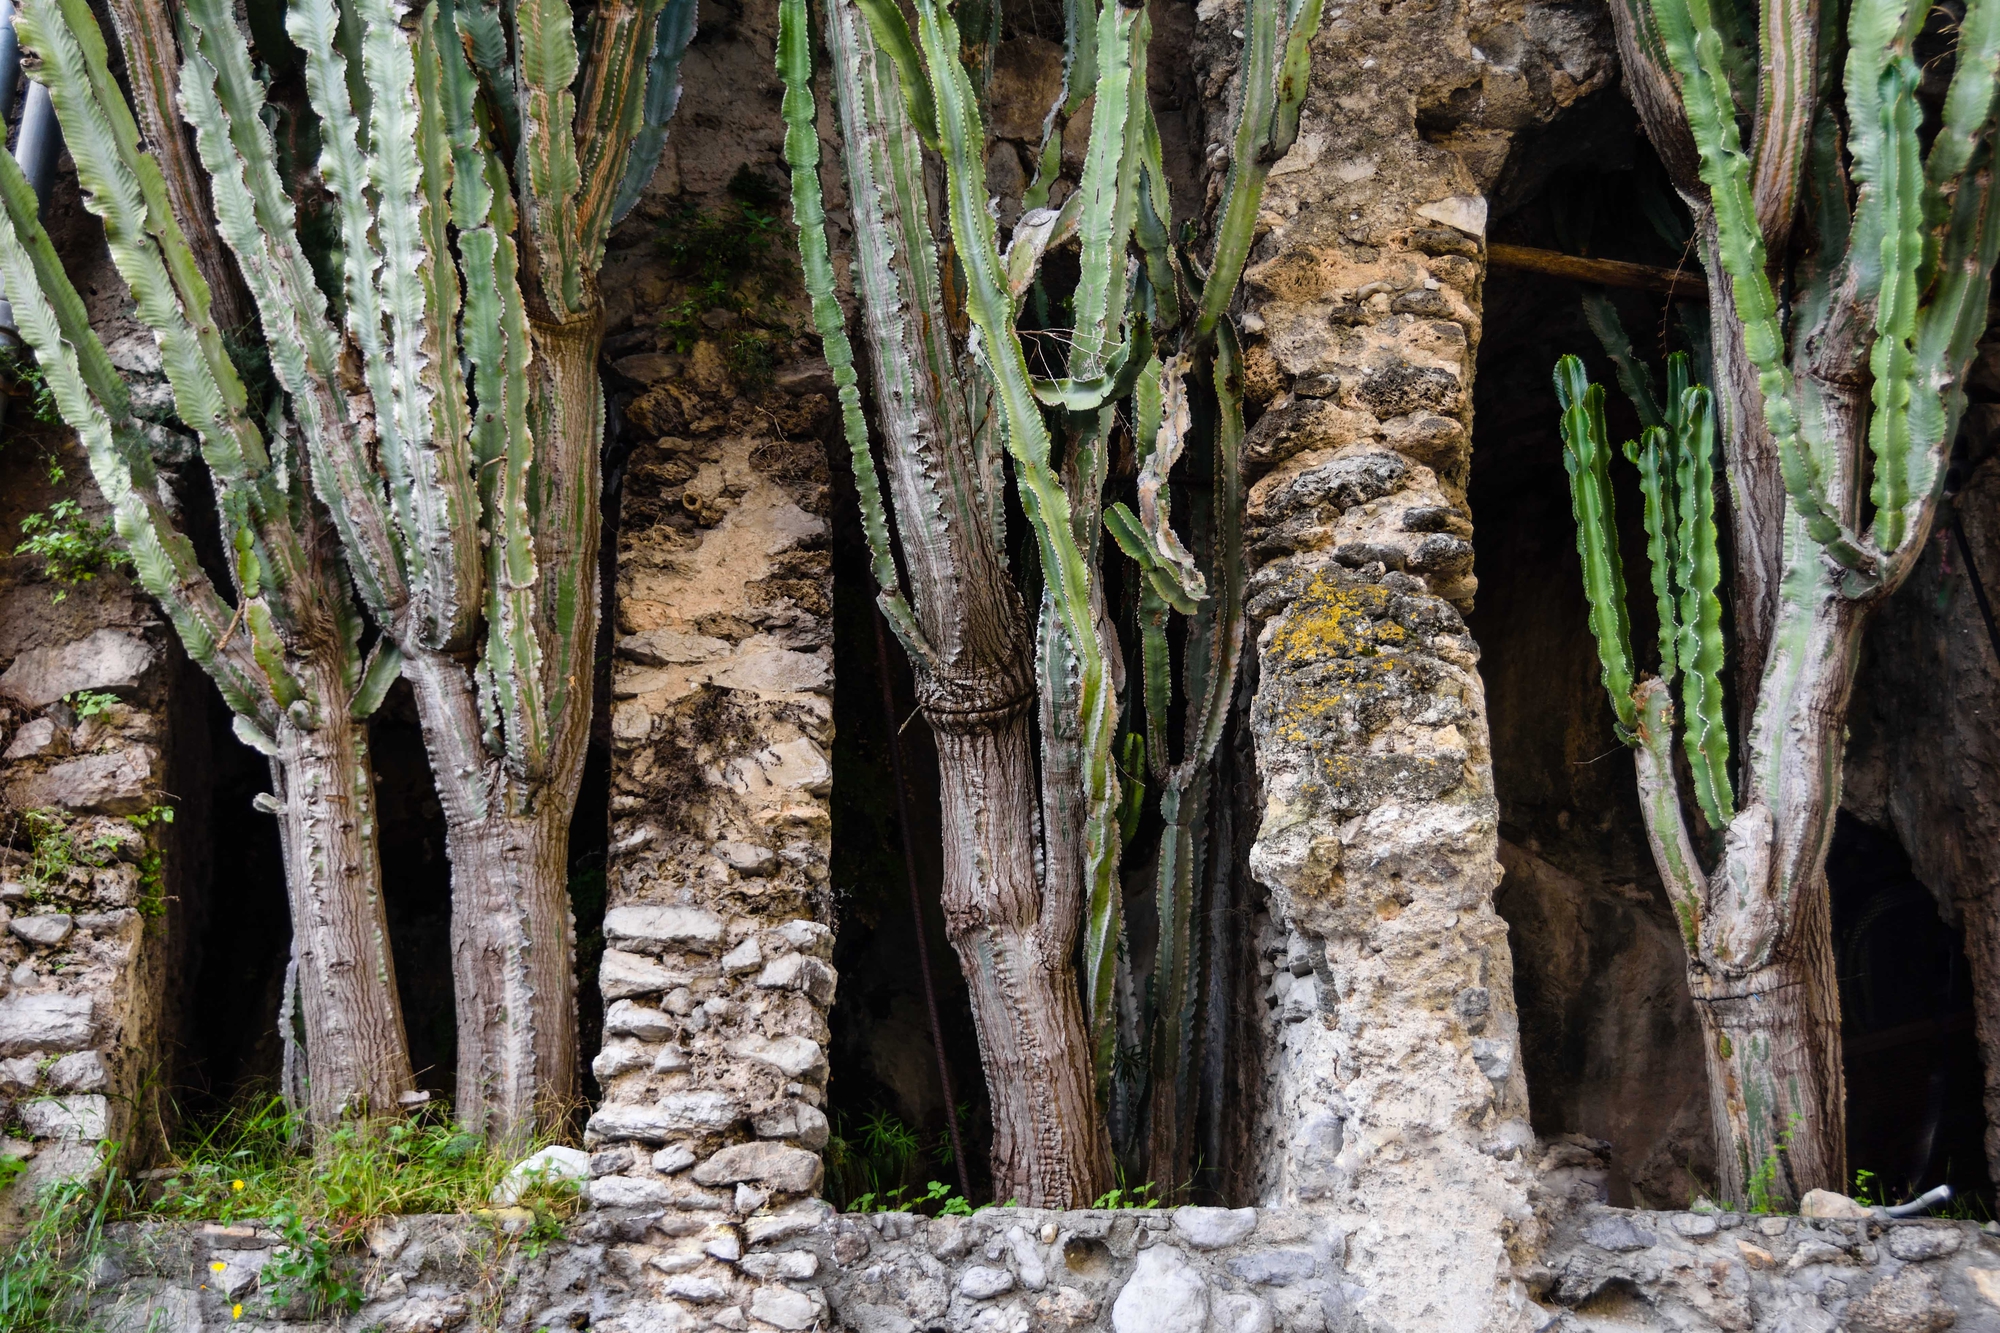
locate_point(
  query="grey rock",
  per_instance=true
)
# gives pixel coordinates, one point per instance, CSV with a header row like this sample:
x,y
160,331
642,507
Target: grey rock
x,y
1812,1252
785,1308
32,739
672,1159
802,936
618,1057
1918,1243
797,1265
795,1057
624,974
45,1022
627,1019
1620,1235
1213,1228
980,1283
1274,1268
793,1221
109,659
1034,1274
868,1318
1164,1295
425,1314
85,1117
675,1113
47,929
119,782
746,857
80,1071
1906,1302
792,1170
743,958
628,1192
651,928
725,1245
1238,1312
694,1287
1316,1154
1694,1225
799,972
794,1120
1494,1057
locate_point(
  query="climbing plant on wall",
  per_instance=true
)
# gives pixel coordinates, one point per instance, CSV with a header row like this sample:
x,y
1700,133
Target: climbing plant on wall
x,y
984,369
1850,250
432,441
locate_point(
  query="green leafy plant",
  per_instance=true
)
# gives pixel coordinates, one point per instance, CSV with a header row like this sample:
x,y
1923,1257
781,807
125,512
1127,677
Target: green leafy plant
x,y
1762,1193
73,550
27,384
1864,1188
47,1272
1120,1196
90,703
306,1264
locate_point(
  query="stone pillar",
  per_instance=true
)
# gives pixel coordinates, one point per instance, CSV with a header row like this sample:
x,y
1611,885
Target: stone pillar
x,y
1397,1107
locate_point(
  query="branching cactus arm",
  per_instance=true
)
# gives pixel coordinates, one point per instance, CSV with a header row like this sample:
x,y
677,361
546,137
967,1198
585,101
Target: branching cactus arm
x,y
673,31
1587,456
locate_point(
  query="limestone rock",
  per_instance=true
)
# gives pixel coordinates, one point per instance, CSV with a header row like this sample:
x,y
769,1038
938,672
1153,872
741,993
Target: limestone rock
x,y
1915,1244
32,739
796,1057
797,1265
1619,1235
797,972
623,975
85,1117
1213,1228
1237,1312
1164,1295
980,1283
794,1120
785,1308
47,929
115,783
627,1019
45,1022
1827,1204
652,927
803,936
792,1170
552,1163
673,1158
81,1071
618,1057
1907,1302
628,1192
676,1113
109,659
1274,1268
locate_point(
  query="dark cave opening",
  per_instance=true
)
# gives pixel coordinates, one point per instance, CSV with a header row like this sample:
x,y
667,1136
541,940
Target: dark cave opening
x,y
1609,1038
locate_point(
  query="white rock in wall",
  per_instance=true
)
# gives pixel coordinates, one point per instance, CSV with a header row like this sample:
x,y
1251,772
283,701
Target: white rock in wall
x,y
45,1022
1164,1295
785,1308
797,972
33,738
652,927
627,1019
676,1113
794,1056
794,1120
1213,1228
618,1057
625,974
552,1163
791,1170
109,659
117,783
80,1117
47,929
81,1071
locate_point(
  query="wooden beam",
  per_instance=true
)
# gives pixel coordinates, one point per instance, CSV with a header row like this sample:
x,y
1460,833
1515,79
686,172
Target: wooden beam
x,y
1603,272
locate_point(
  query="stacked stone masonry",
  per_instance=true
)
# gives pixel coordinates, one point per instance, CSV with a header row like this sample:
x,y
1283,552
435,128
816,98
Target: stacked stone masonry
x,y
1191,1270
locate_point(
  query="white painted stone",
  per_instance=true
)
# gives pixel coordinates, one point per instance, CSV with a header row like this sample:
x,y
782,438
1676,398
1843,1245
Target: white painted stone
x,y
45,1022
796,1057
47,929
658,925
108,659
1163,1295
1213,1228
552,1163
625,1018
82,1117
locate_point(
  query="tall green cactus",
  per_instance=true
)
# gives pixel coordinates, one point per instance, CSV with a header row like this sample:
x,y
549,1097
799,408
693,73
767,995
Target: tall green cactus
x,y
1034,848
443,402
1891,271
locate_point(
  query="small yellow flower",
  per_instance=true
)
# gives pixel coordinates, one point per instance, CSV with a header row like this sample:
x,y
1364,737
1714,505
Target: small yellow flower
x,y
217,1266
236,1184
236,1312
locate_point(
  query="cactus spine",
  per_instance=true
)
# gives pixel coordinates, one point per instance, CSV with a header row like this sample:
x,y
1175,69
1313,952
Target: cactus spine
x,y
1033,850
1892,293
476,160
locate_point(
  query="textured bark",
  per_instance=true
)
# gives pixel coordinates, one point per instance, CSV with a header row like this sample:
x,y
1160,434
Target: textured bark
x,y
357,1056
1049,1143
513,938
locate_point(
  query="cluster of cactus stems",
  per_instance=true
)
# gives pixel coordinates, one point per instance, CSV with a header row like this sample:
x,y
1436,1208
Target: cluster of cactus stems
x,y
433,445
1841,404
1151,353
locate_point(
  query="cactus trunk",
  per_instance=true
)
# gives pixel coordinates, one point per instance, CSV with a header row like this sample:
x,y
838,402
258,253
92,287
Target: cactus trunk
x,y
1049,1144
357,1058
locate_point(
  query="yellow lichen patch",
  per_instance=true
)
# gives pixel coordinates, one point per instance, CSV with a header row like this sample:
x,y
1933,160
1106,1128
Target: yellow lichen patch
x,y
1329,621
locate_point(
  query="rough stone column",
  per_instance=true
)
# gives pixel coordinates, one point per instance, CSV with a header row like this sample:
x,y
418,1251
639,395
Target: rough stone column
x,y
1396,1101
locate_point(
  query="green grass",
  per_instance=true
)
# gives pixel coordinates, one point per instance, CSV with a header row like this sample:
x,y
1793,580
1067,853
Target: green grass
x,y
45,1276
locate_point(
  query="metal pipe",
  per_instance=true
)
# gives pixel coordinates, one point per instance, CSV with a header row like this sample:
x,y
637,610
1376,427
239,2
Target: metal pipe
x,y
1923,1203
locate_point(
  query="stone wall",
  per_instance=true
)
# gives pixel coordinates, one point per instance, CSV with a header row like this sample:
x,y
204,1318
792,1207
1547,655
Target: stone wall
x,y
1004,1270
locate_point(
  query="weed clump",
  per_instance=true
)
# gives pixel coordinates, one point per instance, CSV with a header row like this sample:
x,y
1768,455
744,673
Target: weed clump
x,y
735,264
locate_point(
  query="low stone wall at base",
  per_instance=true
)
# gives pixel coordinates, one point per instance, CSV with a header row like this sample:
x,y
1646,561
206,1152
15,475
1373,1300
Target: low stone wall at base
x,y
1013,1270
